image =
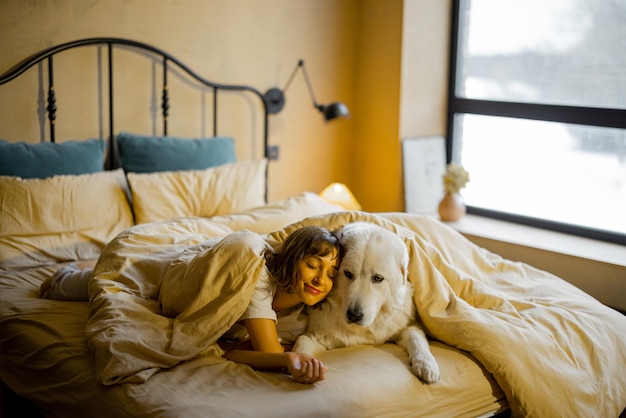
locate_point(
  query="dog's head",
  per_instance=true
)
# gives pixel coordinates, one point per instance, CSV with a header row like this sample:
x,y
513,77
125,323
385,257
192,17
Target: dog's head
x,y
373,272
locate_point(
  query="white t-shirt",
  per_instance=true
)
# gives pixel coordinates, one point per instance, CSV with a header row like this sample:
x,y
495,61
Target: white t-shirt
x,y
290,323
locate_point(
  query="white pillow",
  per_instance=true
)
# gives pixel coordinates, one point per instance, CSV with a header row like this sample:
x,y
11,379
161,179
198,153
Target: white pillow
x,y
60,218
215,191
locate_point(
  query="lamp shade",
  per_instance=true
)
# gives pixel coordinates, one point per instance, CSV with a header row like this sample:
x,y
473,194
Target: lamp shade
x,y
336,110
339,194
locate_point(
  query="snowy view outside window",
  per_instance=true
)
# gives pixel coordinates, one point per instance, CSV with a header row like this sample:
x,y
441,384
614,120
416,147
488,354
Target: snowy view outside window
x,y
555,52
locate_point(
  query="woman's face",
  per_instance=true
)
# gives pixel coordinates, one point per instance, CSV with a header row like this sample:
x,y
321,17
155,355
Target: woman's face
x,y
316,275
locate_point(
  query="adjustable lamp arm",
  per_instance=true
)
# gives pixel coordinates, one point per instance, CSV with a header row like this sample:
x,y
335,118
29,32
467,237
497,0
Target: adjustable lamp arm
x,y
275,98
308,84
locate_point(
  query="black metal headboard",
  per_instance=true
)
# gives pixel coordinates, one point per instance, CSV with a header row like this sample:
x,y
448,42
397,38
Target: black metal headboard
x,y
166,58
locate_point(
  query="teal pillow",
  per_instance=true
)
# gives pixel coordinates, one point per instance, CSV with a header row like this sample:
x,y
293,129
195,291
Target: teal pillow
x,y
147,154
48,159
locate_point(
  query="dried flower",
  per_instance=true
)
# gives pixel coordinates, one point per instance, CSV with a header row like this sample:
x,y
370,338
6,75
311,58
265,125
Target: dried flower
x,y
455,178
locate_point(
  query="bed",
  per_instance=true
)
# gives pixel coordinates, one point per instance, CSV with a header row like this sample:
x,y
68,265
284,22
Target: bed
x,y
509,339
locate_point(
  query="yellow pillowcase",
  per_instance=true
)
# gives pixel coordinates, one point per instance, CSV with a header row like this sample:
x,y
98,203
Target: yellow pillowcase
x,y
215,191
60,218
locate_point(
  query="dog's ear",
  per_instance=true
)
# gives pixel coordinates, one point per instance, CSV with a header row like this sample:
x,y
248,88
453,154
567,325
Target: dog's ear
x,y
339,233
346,230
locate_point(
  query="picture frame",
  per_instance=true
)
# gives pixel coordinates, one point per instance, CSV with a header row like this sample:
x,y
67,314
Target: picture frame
x,y
424,164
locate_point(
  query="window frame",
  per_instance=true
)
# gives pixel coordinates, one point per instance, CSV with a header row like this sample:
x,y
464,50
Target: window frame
x,y
580,115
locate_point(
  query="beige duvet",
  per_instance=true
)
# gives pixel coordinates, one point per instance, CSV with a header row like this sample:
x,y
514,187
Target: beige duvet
x,y
498,328
554,350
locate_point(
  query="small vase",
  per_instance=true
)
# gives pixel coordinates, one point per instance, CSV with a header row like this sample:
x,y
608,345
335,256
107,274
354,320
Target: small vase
x,y
451,207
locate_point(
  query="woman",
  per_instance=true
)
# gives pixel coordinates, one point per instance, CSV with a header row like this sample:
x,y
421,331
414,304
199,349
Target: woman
x,y
301,273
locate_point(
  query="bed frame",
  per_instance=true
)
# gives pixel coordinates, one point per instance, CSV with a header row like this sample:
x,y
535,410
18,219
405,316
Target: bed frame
x,y
9,402
168,61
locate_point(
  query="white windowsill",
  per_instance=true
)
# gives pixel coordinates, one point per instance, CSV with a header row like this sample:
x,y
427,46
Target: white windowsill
x,y
542,239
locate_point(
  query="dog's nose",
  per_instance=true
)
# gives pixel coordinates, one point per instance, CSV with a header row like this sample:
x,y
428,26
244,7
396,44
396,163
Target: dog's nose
x,y
355,315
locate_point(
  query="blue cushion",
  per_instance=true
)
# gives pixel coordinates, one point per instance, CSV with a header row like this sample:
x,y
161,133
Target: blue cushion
x,y
147,154
48,159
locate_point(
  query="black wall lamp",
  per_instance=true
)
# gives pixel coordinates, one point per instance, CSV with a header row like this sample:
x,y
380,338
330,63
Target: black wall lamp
x,y
275,99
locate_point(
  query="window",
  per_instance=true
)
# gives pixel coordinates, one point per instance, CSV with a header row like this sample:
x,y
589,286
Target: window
x,y
537,112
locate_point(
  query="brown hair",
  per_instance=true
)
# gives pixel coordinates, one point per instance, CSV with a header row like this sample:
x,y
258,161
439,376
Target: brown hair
x,y
304,242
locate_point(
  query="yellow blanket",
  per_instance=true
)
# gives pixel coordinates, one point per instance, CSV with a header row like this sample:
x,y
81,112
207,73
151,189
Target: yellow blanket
x,y
553,349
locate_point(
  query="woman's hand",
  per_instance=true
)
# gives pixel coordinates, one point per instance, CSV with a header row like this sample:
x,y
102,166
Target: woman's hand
x,y
264,352
305,368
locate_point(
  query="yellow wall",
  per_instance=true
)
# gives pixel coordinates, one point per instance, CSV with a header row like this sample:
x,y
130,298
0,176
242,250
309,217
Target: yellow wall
x,y
375,148
401,92
356,51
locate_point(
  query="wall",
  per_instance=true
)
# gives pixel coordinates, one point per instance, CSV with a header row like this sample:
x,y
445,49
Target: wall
x,y
424,71
401,91
255,42
377,57
376,175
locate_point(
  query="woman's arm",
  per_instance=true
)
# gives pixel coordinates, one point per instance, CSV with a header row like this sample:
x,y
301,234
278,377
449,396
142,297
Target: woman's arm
x,y
268,354
302,367
263,335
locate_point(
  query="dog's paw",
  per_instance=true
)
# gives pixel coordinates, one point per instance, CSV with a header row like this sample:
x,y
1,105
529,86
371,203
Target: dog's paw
x,y
306,344
426,368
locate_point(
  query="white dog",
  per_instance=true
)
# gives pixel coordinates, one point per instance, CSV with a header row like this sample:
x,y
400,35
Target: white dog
x,y
371,301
